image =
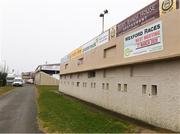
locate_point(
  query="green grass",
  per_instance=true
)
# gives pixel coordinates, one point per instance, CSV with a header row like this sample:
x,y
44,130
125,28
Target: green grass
x,y
58,113
5,89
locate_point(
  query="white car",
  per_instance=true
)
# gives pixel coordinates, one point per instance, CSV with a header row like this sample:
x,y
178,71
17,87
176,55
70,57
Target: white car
x,y
17,82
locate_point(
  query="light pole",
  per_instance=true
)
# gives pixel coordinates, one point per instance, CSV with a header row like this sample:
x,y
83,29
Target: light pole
x,y
102,15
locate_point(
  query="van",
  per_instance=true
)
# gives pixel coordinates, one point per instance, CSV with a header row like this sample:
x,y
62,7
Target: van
x,y
18,81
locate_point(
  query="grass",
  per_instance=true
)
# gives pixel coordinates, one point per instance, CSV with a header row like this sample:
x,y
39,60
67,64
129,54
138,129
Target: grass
x,y
58,113
5,89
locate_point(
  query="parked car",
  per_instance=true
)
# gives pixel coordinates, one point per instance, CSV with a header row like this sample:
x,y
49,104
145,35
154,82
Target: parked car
x,y
18,82
29,81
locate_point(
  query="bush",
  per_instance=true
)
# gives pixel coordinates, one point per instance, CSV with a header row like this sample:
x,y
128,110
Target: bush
x,y
1,83
3,79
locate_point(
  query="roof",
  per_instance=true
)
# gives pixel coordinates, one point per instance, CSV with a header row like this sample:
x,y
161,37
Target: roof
x,y
51,67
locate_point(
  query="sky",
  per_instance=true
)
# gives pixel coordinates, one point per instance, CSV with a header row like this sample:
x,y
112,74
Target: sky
x,y
33,32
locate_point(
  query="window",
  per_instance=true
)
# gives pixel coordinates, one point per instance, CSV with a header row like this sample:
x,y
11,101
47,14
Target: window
x,y
78,75
119,87
66,66
144,89
72,83
104,73
78,84
107,86
70,76
94,85
91,74
84,84
154,90
125,87
103,85
110,52
80,61
91,85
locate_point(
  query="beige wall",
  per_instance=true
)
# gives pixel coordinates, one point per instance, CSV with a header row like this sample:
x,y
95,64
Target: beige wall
x,y
42,78
161,69
95,58
161,110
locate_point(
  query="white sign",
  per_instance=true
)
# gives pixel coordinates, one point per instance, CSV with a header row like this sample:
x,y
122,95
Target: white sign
x,y
89,46
51,67
100,40
65,59
103,38
147,40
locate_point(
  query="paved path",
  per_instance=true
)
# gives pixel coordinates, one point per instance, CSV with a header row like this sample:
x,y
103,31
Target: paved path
x,y
18,111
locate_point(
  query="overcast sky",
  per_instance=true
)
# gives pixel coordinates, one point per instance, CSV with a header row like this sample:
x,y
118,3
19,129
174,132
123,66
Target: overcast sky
x,y
35,31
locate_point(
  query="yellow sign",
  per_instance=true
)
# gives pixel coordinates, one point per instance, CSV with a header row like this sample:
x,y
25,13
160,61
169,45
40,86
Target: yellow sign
x,y
167,6
76,53
112,32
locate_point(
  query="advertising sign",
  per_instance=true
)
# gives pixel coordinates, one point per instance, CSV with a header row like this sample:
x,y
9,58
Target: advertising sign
x,y
166,6
65,59
89,46
112,32
103,38
51,67
146,40
140,18
76,53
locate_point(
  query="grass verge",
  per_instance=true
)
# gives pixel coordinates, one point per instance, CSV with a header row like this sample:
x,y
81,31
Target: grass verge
x,y
5,89
58,113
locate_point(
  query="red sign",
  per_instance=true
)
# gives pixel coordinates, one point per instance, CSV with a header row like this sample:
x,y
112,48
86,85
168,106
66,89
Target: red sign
x,y
140,18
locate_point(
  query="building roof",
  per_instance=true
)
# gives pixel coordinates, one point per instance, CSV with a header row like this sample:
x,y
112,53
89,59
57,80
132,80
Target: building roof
x,y
48,67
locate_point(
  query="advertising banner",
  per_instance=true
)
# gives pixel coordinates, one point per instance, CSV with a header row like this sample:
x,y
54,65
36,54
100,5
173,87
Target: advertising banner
x,y
112,33
51,67
103,38
89,46
76,53
166,6
146,40
65,59
140,18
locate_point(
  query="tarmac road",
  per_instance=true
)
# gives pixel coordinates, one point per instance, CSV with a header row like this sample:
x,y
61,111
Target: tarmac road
x,y
18,111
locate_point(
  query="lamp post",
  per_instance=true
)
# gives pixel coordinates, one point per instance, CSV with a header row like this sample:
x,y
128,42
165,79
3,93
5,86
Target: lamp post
x,y
102,15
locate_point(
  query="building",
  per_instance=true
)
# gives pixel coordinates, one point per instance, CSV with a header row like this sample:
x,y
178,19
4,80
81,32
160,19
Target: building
x,y
47,74
133,68
28,77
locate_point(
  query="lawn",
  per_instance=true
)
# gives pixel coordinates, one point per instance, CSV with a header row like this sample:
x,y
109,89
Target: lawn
x,y
59,113
5,89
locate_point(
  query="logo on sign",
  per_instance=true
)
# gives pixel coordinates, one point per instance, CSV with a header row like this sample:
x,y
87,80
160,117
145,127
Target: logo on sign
x,y
113,33
127,52
167,5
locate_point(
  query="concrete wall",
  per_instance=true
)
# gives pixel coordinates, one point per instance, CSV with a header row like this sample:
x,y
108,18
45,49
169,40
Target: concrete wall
x,y
147,71
161,110
42,78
